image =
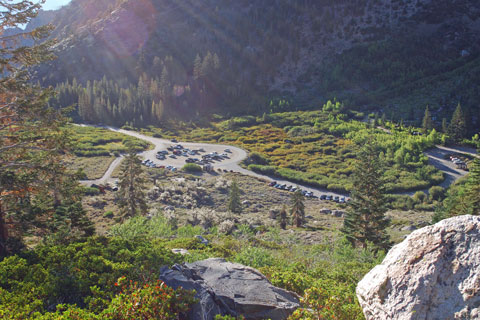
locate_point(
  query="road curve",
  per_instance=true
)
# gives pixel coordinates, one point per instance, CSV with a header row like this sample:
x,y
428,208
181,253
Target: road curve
x,y
436,158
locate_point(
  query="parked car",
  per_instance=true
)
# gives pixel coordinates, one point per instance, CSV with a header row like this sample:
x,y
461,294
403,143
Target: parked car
x,y
323,197
342,200
228,150
172,156
174,140
329,198
271,184
337,198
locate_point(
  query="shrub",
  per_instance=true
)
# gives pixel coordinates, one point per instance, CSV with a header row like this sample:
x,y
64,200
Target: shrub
x,y
419,197
257,158
436,193
150,301
89,191
328,300
108,214
255,257
192,167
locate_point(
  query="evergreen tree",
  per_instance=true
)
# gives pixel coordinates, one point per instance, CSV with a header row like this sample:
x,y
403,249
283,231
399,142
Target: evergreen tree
x,y
472,194
444,125
461,198
283,218
366,222
427,123
458,128
131,187
297,209
234,204
31,139
197,67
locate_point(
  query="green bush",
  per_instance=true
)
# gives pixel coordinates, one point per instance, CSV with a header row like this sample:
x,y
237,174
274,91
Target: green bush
x,y
108,214
419,197
192,167
89,191
149,302
255,257
436,193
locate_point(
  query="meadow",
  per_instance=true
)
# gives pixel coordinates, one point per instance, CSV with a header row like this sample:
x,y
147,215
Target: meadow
x,y
94,149
318,148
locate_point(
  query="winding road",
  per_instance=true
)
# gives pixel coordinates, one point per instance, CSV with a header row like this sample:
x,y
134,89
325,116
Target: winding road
x,y
436,158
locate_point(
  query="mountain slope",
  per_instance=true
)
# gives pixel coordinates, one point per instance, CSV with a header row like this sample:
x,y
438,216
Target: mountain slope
x,y
394,55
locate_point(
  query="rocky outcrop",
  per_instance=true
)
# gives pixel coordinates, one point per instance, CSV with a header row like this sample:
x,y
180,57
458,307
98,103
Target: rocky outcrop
x,y
434,274
229,288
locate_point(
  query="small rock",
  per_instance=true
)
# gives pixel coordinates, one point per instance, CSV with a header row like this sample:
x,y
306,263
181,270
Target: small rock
x,y
338,213
180,251
246,203
325,211
202,240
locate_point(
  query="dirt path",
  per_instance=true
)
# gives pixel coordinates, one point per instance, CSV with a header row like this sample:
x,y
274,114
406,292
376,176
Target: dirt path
x,y
436,158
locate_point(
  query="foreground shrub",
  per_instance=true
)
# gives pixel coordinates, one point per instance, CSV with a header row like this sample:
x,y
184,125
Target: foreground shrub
x,y
328,301
150,301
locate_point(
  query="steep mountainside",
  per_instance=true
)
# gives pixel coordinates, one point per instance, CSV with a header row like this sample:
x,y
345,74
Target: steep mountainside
x,y
393,55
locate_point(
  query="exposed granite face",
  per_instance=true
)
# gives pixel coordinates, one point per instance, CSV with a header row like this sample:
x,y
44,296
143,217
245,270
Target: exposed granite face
x,y
434,274
230,288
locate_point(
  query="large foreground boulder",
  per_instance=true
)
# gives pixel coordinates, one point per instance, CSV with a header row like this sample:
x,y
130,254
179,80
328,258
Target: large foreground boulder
x,y
230,288
434,274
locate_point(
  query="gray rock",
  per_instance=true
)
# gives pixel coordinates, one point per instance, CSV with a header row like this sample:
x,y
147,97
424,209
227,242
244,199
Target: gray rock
x,y
246,203
433,274
180,251
326,211
230,288
202,240
338,213
409,228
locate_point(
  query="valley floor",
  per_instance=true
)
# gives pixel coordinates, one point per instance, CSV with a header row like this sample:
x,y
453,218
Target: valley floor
x,y
436,158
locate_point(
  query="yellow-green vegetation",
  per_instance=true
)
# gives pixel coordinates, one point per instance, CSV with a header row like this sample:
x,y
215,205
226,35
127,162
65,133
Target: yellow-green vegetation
x,y
94,142
98,271
93,167
319,147
96,148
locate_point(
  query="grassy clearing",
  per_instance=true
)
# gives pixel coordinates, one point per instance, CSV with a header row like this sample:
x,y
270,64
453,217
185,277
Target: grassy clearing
x,y
93,167
96,148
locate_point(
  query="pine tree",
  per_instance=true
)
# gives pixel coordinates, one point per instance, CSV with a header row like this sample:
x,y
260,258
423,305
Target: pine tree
x,y
427,123
31,139
458,128
131,187
234,204
197,67
366,222
444,125
297,209
283,218
472,193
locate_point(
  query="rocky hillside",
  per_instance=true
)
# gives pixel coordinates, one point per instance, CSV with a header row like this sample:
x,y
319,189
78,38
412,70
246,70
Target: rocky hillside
x,y
394,55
